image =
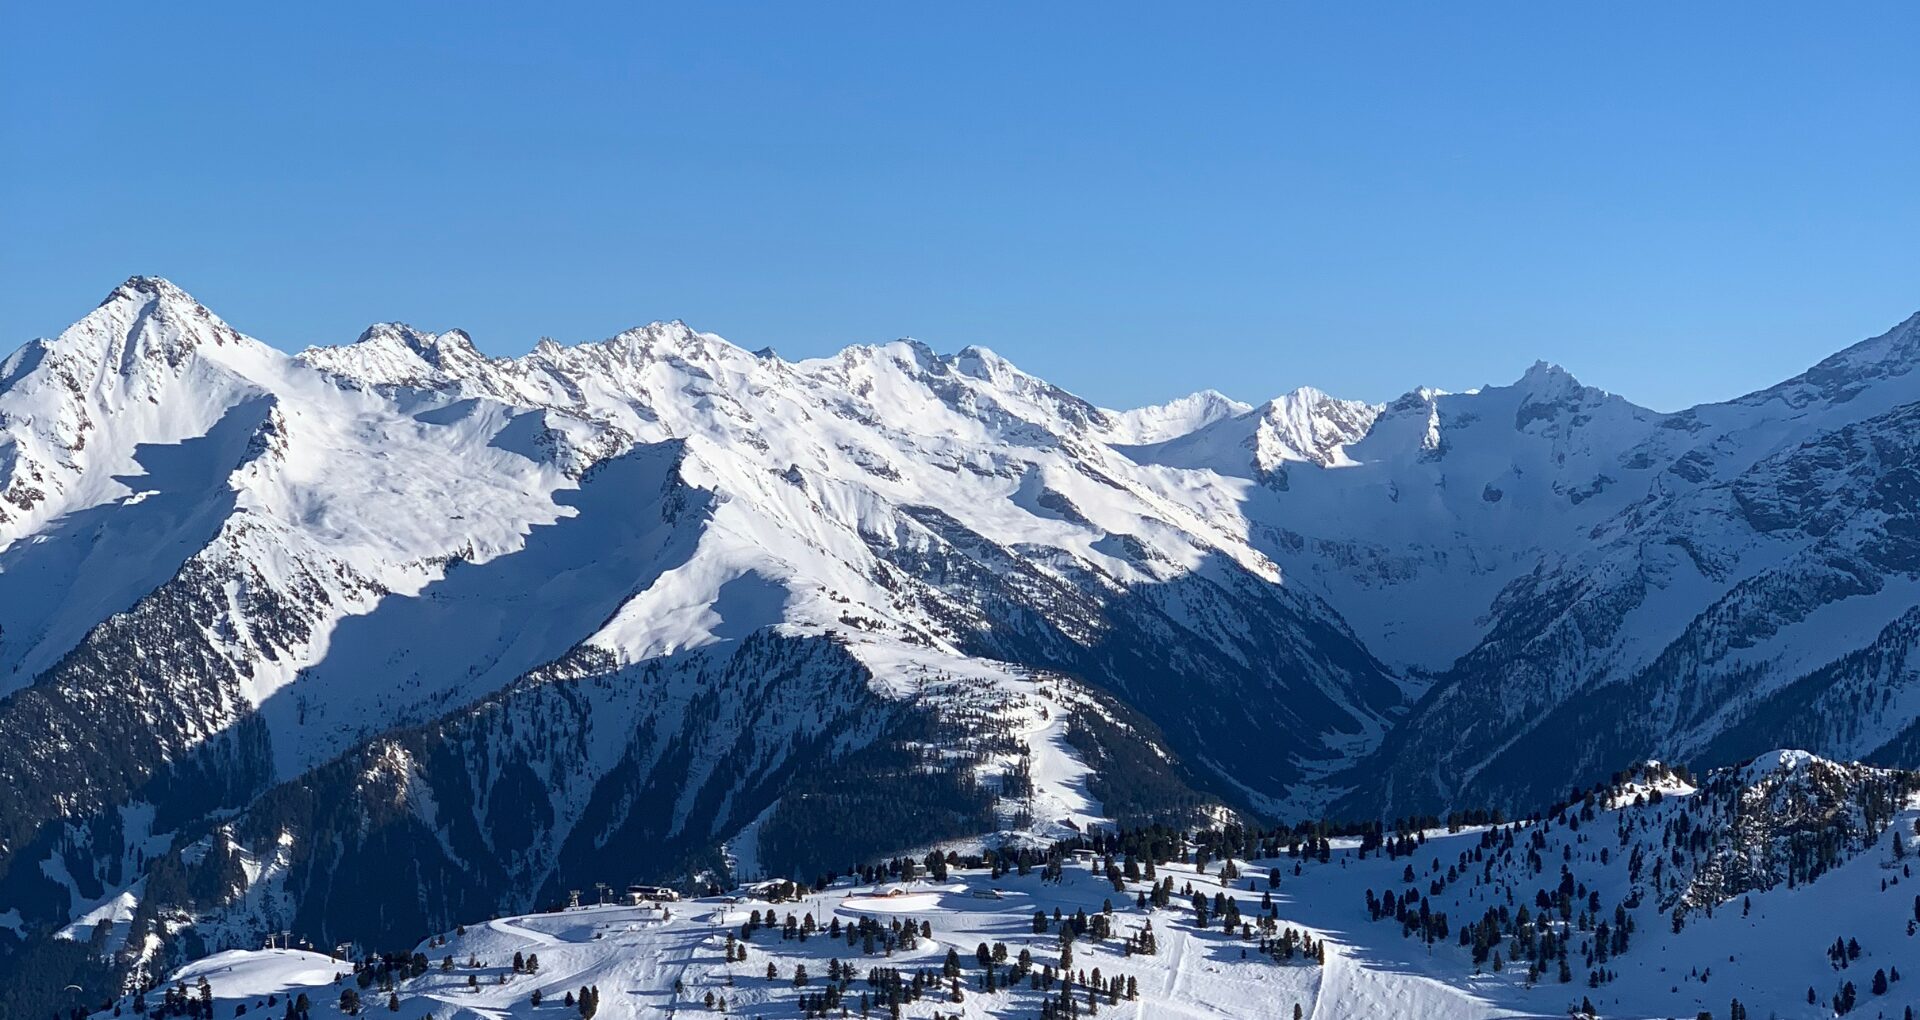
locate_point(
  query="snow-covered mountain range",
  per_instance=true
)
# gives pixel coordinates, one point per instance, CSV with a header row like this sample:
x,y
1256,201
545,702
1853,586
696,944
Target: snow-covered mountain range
x,y
397,614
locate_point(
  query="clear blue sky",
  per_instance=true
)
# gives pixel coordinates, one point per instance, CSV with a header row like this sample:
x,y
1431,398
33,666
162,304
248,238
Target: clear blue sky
x,y
1678,202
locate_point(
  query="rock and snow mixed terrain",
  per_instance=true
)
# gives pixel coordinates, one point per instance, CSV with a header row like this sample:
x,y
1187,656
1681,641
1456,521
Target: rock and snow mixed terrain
x,y
1769,867
280,634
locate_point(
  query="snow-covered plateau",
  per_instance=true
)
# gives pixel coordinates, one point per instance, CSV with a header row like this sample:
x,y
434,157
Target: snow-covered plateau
x,y
369,641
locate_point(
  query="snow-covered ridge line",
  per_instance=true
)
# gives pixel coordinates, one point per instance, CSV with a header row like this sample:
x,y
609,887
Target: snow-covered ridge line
x,y
702,572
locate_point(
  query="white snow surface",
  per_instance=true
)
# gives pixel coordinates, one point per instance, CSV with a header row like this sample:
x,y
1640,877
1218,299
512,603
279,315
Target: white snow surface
x,y
445,523
1157,423
1765,949
431,495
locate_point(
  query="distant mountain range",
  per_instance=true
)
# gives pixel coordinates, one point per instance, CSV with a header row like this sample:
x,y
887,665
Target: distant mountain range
x,y
283,634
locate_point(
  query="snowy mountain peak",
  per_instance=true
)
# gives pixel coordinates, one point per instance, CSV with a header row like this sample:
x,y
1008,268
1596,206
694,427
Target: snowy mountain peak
x,y
1847,374
977,358
147,288
1551,395
1308,425
147,296
983,364
1544,380
396,354
1210,403
1420,398
908,353
1297,398
1899,345
149,366
672,336
1157,423
146,321
1304,426
431,347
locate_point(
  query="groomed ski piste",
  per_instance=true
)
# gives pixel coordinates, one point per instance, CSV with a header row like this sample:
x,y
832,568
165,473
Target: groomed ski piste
x,y
1767,949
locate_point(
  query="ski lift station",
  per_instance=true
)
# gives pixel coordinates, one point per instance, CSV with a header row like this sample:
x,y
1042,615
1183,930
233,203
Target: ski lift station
x,y
638,894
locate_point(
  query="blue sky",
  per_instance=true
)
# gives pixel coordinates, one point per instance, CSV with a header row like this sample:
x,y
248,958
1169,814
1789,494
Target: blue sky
x,y
1677,202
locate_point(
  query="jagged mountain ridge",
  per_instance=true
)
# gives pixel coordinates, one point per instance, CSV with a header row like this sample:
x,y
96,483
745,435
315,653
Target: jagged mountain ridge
x,y
1768,549
267,562
384,535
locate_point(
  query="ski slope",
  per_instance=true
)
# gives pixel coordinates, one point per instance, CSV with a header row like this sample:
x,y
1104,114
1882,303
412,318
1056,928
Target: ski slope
x,y
1766,948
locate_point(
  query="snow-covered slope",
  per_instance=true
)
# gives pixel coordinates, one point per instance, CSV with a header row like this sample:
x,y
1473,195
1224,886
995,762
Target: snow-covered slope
x,y
1778,885
1746,596
653,583
661,605
1158,423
